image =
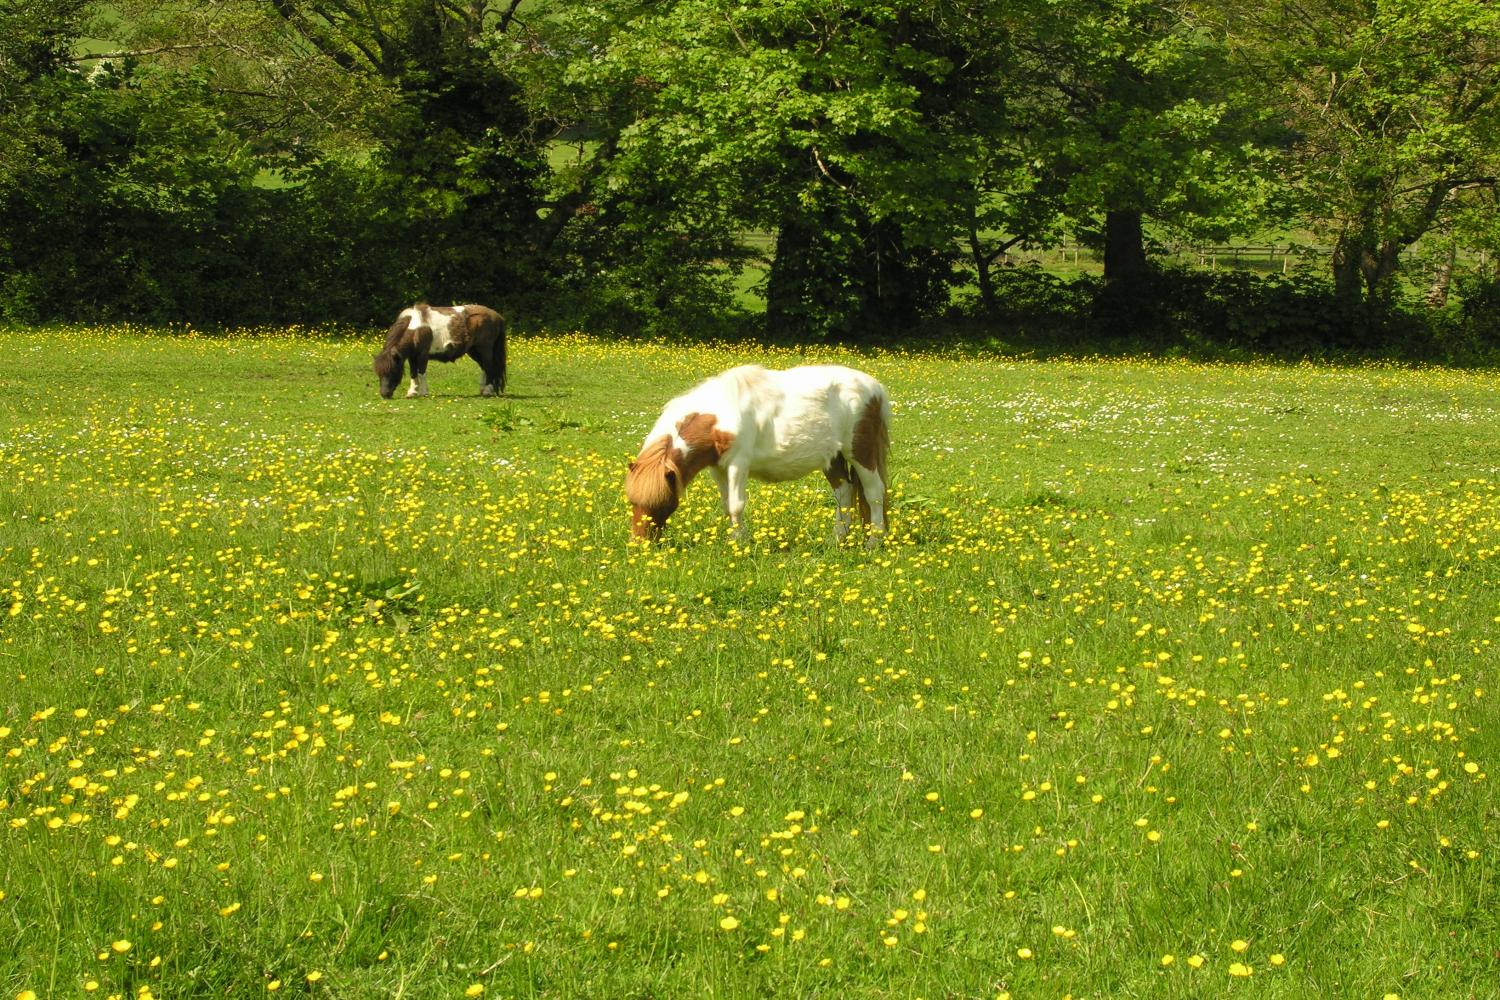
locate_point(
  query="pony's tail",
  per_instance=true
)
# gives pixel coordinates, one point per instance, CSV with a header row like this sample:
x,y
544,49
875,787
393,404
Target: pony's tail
x,y
872,446
500,355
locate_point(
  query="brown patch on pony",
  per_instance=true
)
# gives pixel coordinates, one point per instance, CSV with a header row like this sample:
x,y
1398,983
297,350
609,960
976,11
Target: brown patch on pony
x,y
837,471
872,438
486,332
706,444
398,329
661,473
385,365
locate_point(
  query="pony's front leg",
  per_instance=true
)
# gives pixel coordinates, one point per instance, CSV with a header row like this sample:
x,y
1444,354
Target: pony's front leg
x,y
418,378
733,482
721,480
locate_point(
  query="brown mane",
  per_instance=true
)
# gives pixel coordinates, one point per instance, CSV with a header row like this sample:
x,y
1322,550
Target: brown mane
x,y
647,484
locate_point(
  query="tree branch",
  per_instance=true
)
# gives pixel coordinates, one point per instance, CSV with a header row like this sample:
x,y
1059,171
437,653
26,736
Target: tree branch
x,y
823,169
137,53
289,13
550,227
507,17
1001,249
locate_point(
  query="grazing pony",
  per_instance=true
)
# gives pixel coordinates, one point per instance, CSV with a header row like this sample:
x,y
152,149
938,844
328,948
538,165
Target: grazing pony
x,y
773,426
426,333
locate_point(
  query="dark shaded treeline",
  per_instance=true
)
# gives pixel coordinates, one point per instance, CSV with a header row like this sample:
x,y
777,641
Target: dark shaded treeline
x,y
590,165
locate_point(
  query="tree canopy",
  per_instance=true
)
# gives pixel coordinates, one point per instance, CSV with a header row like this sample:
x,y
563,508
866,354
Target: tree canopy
x,y
611,162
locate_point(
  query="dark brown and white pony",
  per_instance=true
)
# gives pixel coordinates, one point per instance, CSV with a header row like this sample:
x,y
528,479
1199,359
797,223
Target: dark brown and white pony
x,y
750,423
426,333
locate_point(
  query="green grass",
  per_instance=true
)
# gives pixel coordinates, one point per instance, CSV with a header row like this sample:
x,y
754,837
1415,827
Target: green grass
x,y
1158,658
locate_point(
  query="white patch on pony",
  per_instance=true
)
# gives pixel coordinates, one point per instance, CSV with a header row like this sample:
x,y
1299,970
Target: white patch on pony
x,y
443,329
442,325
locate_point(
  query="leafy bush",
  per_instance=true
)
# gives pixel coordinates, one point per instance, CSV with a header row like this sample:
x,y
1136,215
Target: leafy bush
x,y
1476,330
1237,312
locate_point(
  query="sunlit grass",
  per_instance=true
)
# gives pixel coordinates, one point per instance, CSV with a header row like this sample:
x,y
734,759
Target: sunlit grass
x,y
1171,680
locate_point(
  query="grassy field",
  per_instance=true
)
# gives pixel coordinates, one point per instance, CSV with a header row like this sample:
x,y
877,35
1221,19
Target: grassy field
x,y
1171,681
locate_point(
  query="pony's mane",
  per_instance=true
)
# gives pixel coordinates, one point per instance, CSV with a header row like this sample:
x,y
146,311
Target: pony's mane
x,y
386,363
646,482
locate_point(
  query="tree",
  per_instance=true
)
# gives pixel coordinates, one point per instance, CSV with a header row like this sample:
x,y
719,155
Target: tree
x,y
1396,109
121,216
1128,110
821,123
408,87
34,45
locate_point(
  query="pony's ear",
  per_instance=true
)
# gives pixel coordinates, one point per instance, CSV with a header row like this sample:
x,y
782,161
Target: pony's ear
x,y
632,467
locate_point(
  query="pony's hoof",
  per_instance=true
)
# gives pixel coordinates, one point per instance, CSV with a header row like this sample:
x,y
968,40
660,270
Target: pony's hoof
x,y
873,542
487,391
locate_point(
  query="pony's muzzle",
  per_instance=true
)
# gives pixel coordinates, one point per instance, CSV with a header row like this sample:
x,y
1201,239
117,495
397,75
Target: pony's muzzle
x,y
644,527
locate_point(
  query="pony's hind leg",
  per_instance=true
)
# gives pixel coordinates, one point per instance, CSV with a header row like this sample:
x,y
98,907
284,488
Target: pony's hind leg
x,y
482,360
843,496
871,503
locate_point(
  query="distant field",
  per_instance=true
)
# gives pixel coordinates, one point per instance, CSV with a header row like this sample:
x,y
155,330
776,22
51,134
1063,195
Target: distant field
x,y
1171,681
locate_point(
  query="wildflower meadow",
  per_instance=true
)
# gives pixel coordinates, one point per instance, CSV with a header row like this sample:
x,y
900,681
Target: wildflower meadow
x,y
1170,680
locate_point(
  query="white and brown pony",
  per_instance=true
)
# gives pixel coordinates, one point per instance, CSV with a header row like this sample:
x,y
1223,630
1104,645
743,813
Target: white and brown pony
x,y
751,423
426,333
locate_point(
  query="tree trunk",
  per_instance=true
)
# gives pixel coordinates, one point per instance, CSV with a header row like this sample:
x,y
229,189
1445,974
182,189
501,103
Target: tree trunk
x,y
1379,268
1124,246
1437,293
786,287
982,262
1348,278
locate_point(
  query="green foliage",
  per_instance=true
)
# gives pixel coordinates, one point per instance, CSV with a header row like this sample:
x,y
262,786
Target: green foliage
x,y
1131,108
1476,328
819,123
1227,314
421,151
125,219
1396,109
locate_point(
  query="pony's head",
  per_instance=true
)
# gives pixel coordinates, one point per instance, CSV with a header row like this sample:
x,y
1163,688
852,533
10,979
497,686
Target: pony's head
x,y
391,361
388,368
662,471
654,487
